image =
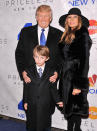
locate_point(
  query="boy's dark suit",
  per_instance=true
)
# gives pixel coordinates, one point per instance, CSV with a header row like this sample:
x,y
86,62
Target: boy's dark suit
x,y
41,96
28,40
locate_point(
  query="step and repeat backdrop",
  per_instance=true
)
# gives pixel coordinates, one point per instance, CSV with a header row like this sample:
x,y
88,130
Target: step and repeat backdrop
x,y
16,14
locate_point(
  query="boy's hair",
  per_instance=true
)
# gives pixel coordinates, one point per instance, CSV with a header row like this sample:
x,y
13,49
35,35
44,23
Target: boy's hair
x,y
41,50
43,8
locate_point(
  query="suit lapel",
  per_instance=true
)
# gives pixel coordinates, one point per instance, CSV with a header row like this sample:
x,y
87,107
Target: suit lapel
x,y
34,34
36,73
45,72
33,72
49,38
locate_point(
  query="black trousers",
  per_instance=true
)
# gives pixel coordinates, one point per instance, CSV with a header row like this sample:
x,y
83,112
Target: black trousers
x,y
73,123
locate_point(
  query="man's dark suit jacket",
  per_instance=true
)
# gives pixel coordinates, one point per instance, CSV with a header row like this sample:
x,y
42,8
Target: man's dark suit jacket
x,y
41,96
28,40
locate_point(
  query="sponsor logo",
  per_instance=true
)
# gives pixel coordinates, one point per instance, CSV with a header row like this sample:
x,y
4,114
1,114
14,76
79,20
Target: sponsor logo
x,y
93,91
20,105
92,82
15,80
22,5
81,2
3,42
93,27
26,25
21,115
93,112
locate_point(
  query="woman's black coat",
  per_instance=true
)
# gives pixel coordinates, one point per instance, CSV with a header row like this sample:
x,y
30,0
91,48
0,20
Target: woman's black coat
x,y
74,73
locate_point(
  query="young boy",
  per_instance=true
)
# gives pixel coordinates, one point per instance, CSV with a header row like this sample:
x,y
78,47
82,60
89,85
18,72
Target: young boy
x,y
40,96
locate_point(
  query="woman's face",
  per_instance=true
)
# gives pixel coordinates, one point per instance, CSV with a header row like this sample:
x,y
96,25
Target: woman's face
x,y
72,21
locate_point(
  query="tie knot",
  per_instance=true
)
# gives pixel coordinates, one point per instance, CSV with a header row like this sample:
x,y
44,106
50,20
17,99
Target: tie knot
x,y
40,69
42,30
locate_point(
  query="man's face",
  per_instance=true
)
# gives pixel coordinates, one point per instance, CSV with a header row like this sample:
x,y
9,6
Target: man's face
x,y
43,18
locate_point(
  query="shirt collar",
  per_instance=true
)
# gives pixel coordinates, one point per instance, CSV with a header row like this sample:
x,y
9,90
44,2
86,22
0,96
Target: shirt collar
x,y
46,29
40,67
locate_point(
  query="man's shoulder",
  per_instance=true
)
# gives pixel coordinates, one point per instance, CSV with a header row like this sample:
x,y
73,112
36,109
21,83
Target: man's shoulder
x,y
29,28
55,29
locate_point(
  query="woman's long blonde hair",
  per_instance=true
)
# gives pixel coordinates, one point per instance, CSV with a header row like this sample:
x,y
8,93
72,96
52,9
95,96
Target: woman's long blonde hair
x,y
69,35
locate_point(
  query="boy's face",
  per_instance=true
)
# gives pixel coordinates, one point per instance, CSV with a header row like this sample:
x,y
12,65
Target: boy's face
x,y
39,59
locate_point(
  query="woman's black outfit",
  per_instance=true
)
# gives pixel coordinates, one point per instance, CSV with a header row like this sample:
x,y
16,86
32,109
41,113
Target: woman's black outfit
x,y
74,75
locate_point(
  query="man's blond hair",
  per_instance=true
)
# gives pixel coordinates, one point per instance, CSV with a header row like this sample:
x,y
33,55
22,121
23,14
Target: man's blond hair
x,y
44,8
41,50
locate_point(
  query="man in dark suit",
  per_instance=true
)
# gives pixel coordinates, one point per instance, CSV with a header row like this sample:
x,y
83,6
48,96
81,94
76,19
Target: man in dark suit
x,y
40,95
30,37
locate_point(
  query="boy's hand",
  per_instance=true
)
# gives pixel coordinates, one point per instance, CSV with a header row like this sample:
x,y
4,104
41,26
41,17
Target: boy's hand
x,y
25,106
25,77
76,91
60,104
54,77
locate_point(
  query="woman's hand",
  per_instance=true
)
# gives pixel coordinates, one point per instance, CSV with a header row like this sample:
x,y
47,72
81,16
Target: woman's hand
x,y
25,77
54,77
76,91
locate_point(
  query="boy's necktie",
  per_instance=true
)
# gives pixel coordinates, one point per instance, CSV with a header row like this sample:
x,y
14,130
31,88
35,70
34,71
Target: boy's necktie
x,y
42,38
40,71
